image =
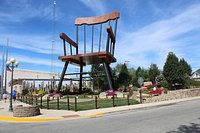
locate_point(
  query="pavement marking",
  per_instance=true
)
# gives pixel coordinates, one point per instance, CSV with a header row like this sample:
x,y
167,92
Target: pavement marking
x,y
96,114
17,119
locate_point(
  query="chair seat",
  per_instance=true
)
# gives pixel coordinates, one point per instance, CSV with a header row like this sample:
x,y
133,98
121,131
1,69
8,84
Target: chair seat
x,y
89,58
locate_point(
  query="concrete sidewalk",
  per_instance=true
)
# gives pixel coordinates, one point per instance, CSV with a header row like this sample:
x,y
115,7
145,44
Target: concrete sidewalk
x,y
49,115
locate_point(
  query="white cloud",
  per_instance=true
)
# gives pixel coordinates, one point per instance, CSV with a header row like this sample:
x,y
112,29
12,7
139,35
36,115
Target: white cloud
x,y
151,43
23,10
95,5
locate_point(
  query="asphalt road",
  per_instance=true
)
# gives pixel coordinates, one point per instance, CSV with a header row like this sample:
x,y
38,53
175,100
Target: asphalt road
x,y
182,117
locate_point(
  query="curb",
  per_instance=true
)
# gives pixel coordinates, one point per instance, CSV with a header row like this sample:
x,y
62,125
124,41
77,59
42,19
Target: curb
x,y
18,119
100,113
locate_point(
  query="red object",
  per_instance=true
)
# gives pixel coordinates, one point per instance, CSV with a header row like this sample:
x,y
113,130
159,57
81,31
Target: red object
x,y
156,92
110,93
153,85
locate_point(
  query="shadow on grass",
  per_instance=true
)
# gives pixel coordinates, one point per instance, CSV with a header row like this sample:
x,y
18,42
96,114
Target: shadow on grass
x,y
192,128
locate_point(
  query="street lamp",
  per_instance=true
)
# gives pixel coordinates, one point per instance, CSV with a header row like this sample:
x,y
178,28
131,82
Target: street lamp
x,y
12,63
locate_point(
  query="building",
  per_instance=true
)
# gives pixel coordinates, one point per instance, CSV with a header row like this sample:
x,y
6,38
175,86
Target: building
x,y
32,77
196,75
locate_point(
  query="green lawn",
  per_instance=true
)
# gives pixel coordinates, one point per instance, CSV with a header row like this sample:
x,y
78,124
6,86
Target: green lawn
x,y
86,105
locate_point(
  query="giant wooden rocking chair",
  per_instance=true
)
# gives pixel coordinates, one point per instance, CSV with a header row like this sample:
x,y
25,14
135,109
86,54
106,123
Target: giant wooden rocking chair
x,y
96,54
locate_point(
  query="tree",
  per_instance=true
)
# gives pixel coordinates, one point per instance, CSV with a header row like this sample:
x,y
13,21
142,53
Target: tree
x,y
153,73
98,77
170,69
186,68
184,71
124,76
140,72
176,72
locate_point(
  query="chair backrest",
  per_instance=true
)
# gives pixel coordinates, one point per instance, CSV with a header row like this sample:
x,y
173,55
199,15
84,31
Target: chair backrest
x,y
92,33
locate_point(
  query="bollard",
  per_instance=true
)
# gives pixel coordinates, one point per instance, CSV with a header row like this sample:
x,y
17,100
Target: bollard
x,y
128,102
96,107
57,103
68,107
47,102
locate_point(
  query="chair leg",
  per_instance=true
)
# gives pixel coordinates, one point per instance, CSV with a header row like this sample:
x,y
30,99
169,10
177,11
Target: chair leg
x,y
81,78
109,76
62,76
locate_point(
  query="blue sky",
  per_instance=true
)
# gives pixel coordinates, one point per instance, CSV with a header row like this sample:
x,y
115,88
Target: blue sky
x,y
147,30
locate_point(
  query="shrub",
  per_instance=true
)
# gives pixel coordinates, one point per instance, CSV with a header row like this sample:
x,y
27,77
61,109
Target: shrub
x,y
41,92
34,93
24,92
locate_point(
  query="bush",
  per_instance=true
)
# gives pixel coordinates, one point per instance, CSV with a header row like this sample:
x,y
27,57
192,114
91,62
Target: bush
x,y
41,92
24,92
34,93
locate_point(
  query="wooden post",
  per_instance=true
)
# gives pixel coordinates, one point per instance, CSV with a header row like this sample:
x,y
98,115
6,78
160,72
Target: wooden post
x,y
128,102
36,99
68,107
57,103
96,107
113,97
140,95
47,102
18,97
26,99
32,99
29,99
41,102
75,103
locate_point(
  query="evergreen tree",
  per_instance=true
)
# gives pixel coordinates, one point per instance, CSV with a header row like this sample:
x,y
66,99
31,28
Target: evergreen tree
x,y
176,72
98,77
124,76
184,71
170,69
153,73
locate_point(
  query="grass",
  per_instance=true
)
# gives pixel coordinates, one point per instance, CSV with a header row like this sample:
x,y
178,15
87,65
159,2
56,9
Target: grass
x,y
87,105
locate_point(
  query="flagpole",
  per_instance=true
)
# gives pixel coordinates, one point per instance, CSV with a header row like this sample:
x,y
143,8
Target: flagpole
x,y
2,72
6,66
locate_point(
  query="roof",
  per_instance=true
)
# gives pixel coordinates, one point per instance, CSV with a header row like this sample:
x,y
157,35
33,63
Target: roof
x,y
198,71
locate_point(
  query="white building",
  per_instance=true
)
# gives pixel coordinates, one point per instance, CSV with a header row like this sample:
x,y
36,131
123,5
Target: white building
x,y
29,75
195,75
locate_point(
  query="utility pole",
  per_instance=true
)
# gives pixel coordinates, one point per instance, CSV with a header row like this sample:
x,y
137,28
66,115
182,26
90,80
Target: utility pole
x,y
6,66
2,72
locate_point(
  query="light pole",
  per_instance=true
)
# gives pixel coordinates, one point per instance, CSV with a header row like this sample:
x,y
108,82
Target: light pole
x,y
12,63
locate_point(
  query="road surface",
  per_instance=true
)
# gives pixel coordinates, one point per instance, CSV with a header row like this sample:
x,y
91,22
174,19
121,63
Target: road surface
x,y
182,117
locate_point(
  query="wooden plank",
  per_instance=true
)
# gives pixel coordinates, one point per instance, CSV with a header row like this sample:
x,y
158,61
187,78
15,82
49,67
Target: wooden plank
x,y
69,40
97,19
110,33
89,59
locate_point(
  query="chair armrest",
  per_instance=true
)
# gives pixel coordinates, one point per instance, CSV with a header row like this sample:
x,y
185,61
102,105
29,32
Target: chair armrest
x,y
69,40
110,33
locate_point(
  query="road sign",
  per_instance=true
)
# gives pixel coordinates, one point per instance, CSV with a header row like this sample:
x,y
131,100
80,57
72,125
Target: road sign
x,y
140,81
